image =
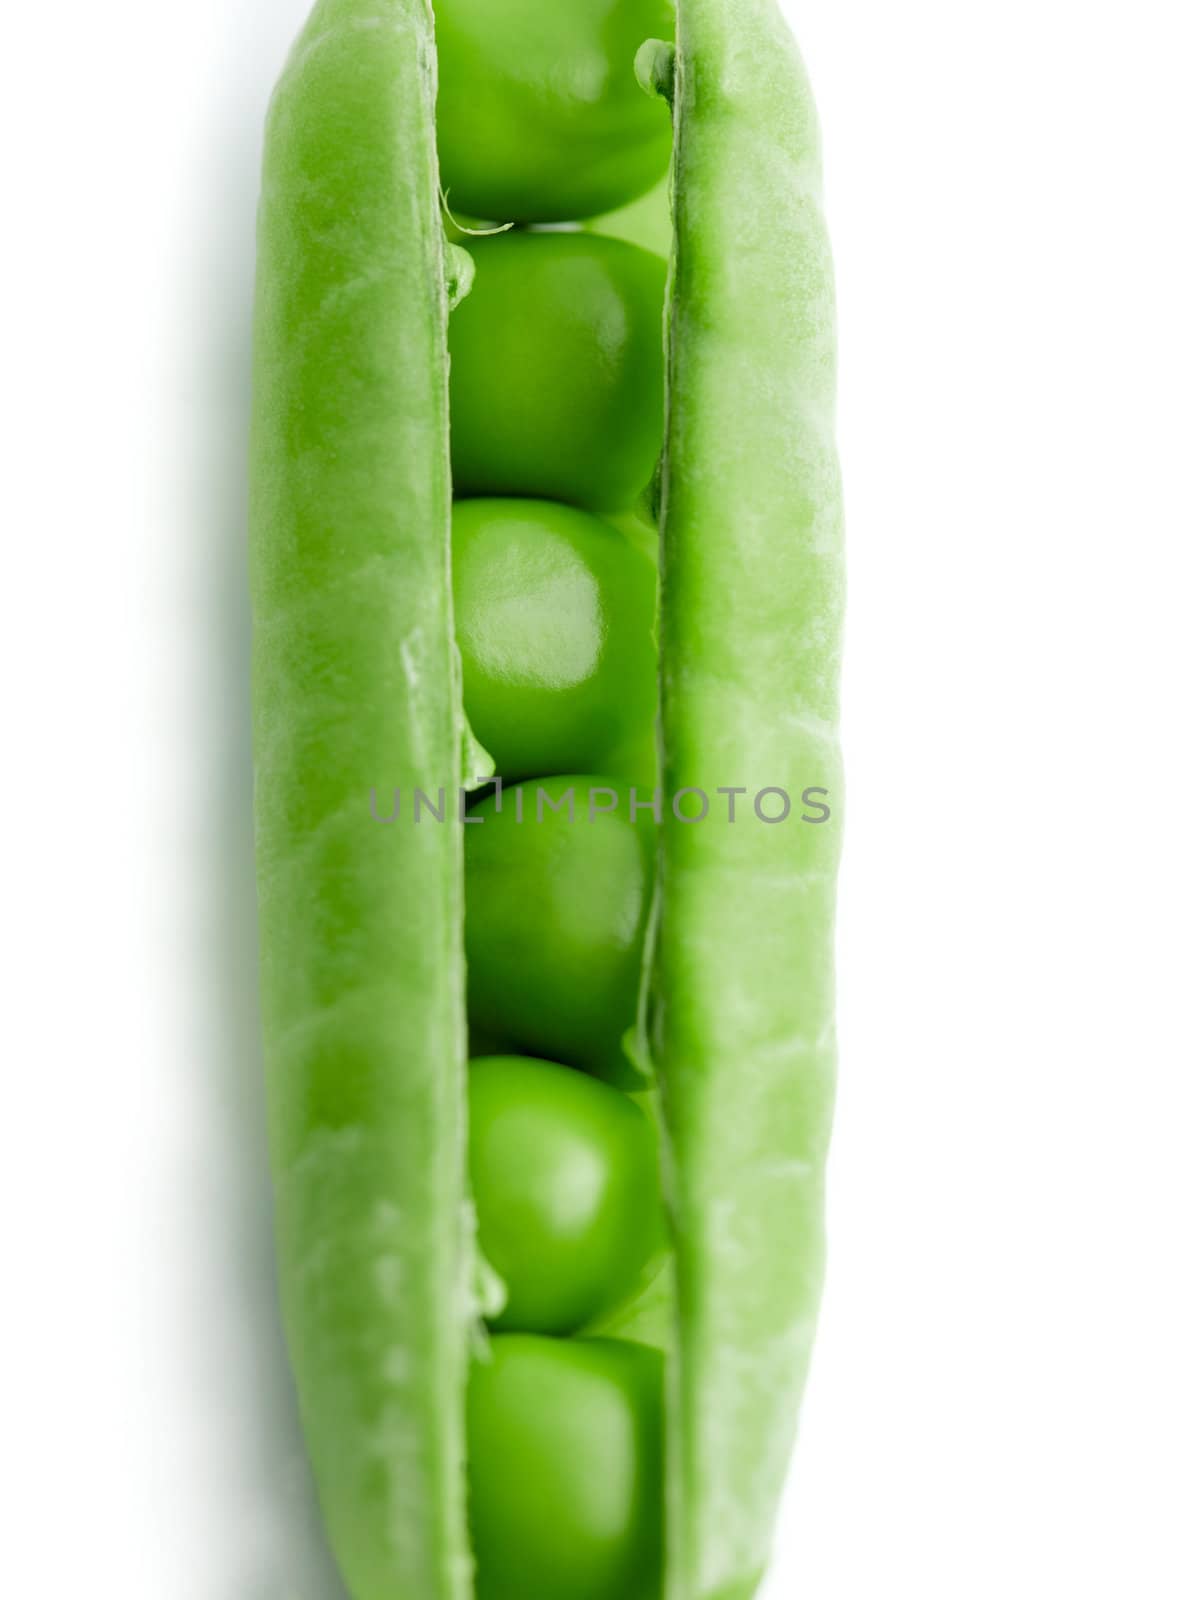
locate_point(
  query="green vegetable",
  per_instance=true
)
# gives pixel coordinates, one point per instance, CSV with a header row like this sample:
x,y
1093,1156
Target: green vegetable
x,y
555,618
741,1015
557,370
356,686
539,116
565,1176
566,1470
622,1424
556,910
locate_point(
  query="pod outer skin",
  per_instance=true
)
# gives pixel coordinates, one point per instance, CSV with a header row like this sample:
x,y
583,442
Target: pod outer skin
x,y
740,1013
356,688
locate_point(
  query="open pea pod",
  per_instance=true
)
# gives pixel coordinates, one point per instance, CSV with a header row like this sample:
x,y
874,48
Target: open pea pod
x,y
595,1398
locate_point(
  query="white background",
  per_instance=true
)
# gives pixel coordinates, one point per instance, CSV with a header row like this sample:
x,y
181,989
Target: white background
x,y
1001,1404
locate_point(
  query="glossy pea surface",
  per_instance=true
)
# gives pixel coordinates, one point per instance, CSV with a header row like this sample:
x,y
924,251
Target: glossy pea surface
x,y
556,370
555,922
565,1470
554,613
565,1179
540,118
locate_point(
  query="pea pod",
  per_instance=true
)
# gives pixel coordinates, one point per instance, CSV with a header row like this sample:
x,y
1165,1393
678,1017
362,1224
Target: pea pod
x,y
741,1002
358,693
356,688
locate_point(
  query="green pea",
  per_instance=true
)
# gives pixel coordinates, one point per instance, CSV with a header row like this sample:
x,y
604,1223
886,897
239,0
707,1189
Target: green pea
x,y
556,370
555,921
565,1470
554,613
564,1171
539,115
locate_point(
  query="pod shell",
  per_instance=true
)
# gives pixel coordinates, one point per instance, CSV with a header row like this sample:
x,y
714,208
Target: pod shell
x,y
741,996
356,691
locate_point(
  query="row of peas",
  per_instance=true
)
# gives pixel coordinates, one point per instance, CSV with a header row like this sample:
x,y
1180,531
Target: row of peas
x,y
556,422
